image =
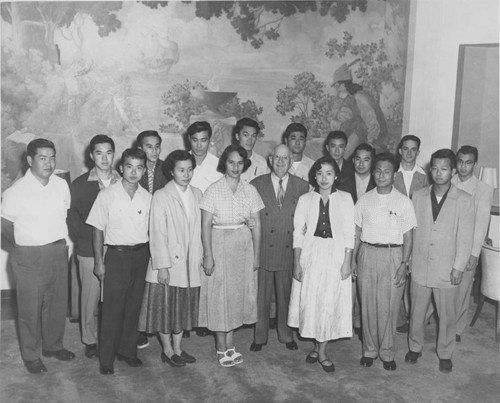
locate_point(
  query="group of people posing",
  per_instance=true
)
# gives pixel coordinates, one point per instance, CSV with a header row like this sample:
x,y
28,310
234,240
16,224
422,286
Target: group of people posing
x,y
202,242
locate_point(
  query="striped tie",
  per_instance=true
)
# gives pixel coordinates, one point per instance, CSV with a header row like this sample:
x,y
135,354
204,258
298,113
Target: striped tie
x,y
281,194
151,177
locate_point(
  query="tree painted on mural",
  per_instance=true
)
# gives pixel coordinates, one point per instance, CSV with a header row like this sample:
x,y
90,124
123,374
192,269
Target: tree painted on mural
x,y
258,21
309,101
34,23
181,104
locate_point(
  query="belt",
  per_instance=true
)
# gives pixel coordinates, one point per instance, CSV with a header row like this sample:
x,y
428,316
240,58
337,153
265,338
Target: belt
x,y
127,248
383,245
228,226
59,241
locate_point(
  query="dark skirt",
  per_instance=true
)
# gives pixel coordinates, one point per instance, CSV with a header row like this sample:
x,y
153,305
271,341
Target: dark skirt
x,y
169,309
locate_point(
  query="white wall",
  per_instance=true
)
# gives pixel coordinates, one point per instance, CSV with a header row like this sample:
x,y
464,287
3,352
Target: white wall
x,y
437,28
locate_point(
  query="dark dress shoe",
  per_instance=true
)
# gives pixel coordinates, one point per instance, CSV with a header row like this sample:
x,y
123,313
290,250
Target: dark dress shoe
x,y
458,338
186,334
292,345
131,362
312,357
35,366
62,355
91,350
390,365
106,370
174,361
203,332
256,347
366,362
445,366
327,368
403,328
189,359
412,357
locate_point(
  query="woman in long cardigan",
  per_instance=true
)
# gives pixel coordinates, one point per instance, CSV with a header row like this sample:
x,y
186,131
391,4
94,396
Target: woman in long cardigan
x,y
171,297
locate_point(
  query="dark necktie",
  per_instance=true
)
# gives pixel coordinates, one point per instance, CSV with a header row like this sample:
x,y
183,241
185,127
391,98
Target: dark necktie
x,y
281,194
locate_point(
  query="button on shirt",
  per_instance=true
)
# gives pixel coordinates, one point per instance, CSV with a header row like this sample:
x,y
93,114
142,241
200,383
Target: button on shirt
x,y
228,207
37,211
123,220
384,218
206,173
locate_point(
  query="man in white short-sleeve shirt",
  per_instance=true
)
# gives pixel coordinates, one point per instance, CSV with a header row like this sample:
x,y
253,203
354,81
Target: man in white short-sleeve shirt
x,y
295,139
384,220
34,219
120,217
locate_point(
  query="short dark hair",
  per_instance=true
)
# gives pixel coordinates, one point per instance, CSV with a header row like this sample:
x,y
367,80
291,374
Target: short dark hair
x,y
101,139
221,167
409,137
134,153
175,156
389,157
468,150
200,126
336,134
365,147
147,133
244,122
35,144
294,127
317,166
445,153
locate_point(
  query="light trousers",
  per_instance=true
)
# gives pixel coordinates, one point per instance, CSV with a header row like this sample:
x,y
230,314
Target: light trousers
x,y
89,299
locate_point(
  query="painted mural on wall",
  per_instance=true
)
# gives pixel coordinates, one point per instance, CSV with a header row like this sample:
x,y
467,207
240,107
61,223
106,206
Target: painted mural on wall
x,y
71,70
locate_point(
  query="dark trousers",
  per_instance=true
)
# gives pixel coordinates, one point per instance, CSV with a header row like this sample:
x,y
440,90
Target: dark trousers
x,y
124,282
41,275
267,281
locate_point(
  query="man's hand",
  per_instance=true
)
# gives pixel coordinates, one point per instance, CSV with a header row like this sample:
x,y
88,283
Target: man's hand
x,y
456,276
163,276
400,276
472,263
208,265
99,270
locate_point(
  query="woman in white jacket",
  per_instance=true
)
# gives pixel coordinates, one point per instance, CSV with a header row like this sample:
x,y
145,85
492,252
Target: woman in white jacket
x,y
171,297
323,239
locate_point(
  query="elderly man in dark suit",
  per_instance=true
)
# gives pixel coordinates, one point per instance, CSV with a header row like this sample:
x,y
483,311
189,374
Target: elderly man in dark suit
x,y
279,191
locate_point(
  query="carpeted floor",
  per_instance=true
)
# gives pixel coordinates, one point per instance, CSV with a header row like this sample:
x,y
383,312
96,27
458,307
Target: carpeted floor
x,y
274,374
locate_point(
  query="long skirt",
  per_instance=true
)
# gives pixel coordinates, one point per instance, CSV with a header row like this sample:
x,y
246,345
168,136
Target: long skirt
x,y
169,309
321,305
228,298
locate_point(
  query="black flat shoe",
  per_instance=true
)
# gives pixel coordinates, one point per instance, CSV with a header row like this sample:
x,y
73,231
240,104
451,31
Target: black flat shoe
x,y
106,370
131,362
312,357
188,359
256,347
35,366
366,362
390,365
292,345
202,332
61,355
175,361
327,368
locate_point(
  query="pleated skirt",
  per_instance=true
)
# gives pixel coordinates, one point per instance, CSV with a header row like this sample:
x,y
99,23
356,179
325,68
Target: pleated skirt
x,y
169,309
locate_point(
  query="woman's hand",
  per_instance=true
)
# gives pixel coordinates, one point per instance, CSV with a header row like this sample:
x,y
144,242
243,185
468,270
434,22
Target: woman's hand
x,y
208,265
250,222
298,273
345,270
163,276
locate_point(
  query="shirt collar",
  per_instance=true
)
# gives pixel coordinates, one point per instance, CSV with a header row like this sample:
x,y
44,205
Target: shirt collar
x,y
93,177
416,168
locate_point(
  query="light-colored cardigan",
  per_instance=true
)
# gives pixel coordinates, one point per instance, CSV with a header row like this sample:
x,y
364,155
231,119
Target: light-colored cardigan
x,y
341,211
171,237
